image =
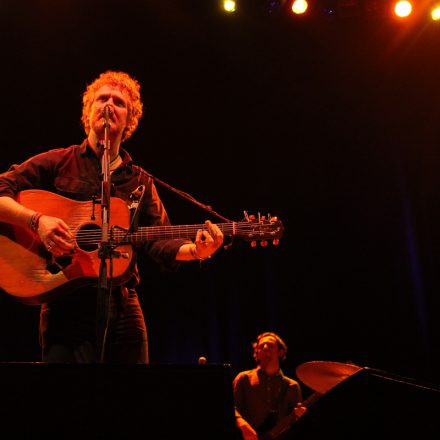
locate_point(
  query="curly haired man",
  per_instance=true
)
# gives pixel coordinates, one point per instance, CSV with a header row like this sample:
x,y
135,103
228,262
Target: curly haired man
x,y
68,324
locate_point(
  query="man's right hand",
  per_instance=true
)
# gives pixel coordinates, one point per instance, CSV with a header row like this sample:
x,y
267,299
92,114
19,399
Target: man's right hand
x,y
55,235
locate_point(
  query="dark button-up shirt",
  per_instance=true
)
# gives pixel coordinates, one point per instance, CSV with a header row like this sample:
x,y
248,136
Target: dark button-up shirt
x,y
258,396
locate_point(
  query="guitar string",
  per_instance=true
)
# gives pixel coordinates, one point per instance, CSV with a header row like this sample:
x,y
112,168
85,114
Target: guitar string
x,y
84,235
167,230
88,236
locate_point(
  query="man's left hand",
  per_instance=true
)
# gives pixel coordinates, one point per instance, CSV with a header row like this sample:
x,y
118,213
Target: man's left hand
x,y
208,241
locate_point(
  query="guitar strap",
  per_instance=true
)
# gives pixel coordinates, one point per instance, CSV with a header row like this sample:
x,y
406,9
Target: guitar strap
x,y
136,198
188,197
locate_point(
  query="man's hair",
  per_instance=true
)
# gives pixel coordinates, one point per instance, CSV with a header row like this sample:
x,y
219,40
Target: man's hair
x,y
128,85
281,344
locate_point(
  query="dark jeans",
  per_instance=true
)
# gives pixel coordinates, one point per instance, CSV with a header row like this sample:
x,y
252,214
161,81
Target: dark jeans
x,y
68,330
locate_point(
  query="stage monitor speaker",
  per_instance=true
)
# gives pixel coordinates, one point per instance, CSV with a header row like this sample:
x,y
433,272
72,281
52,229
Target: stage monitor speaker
x,y
373,404
160,402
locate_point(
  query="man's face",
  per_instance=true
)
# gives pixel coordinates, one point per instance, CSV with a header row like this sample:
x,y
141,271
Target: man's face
x,y
267,350
118,103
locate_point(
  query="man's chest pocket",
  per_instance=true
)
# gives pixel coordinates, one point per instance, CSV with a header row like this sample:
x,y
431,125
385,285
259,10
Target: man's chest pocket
x,y
76,188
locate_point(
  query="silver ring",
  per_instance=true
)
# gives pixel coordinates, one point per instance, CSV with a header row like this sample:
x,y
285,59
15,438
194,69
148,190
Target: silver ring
x,y
50,245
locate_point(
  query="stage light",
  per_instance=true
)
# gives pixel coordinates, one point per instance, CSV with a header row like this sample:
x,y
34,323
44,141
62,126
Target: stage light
x,y
402,9
229,5
299,6
435,12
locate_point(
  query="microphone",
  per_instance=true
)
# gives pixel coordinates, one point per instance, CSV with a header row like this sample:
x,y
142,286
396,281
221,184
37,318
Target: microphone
x,y
106,112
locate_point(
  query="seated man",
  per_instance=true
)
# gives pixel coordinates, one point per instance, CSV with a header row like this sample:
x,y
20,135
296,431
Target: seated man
x,y
266,401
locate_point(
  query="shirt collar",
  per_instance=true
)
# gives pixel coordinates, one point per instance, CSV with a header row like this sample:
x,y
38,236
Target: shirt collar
x,y
261,372
125,156
85,148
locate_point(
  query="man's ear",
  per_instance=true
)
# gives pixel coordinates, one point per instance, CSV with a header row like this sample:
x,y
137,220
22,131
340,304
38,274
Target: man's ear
x,y
281,353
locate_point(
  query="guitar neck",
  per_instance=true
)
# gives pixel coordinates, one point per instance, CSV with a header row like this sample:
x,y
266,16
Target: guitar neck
x,y
286,422
313,398
179,231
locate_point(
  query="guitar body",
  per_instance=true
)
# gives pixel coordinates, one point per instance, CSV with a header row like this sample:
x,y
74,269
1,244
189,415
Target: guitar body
x,y
31,274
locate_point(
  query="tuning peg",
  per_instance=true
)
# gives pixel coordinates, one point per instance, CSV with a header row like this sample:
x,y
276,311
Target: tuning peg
x,y
253,244
263,243
276,242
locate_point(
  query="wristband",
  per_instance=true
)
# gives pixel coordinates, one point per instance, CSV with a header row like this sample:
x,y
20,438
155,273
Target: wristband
x,y
34,220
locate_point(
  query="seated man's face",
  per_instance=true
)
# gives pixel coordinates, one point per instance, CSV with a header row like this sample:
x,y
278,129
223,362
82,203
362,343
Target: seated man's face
x,y
267,350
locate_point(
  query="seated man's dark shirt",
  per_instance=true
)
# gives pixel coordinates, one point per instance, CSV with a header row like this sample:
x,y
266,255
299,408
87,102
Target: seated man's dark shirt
x,y
259,396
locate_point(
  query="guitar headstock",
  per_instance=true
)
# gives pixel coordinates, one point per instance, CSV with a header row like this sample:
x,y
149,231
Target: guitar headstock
x,y
261,229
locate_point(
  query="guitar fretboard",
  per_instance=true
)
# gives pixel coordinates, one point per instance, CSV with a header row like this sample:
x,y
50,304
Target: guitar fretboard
x,y
241,229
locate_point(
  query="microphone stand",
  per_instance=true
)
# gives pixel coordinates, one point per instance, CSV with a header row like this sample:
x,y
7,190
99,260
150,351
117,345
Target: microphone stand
x,y
105,249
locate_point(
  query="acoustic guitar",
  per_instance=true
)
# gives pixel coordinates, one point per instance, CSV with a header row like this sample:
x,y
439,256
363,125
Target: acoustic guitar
x,y
33,275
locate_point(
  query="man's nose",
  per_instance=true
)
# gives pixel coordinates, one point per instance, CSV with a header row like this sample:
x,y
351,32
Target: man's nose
x,y
109,101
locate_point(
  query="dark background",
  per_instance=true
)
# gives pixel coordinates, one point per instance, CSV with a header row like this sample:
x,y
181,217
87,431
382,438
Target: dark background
x,y
331,124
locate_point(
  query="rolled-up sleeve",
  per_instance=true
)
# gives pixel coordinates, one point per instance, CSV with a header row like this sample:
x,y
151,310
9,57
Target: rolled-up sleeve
x,y
33,173
154,214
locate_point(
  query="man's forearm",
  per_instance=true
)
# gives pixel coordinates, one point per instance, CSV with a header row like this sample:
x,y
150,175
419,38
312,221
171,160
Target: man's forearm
x,y
14,213
186,252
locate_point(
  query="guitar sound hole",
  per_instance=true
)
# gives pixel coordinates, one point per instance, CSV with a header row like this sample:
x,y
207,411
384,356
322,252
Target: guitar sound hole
x,y
88,237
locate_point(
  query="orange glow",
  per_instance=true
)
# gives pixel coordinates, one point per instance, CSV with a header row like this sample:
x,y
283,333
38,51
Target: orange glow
x,y
299,6
403,9
435,12
229,5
